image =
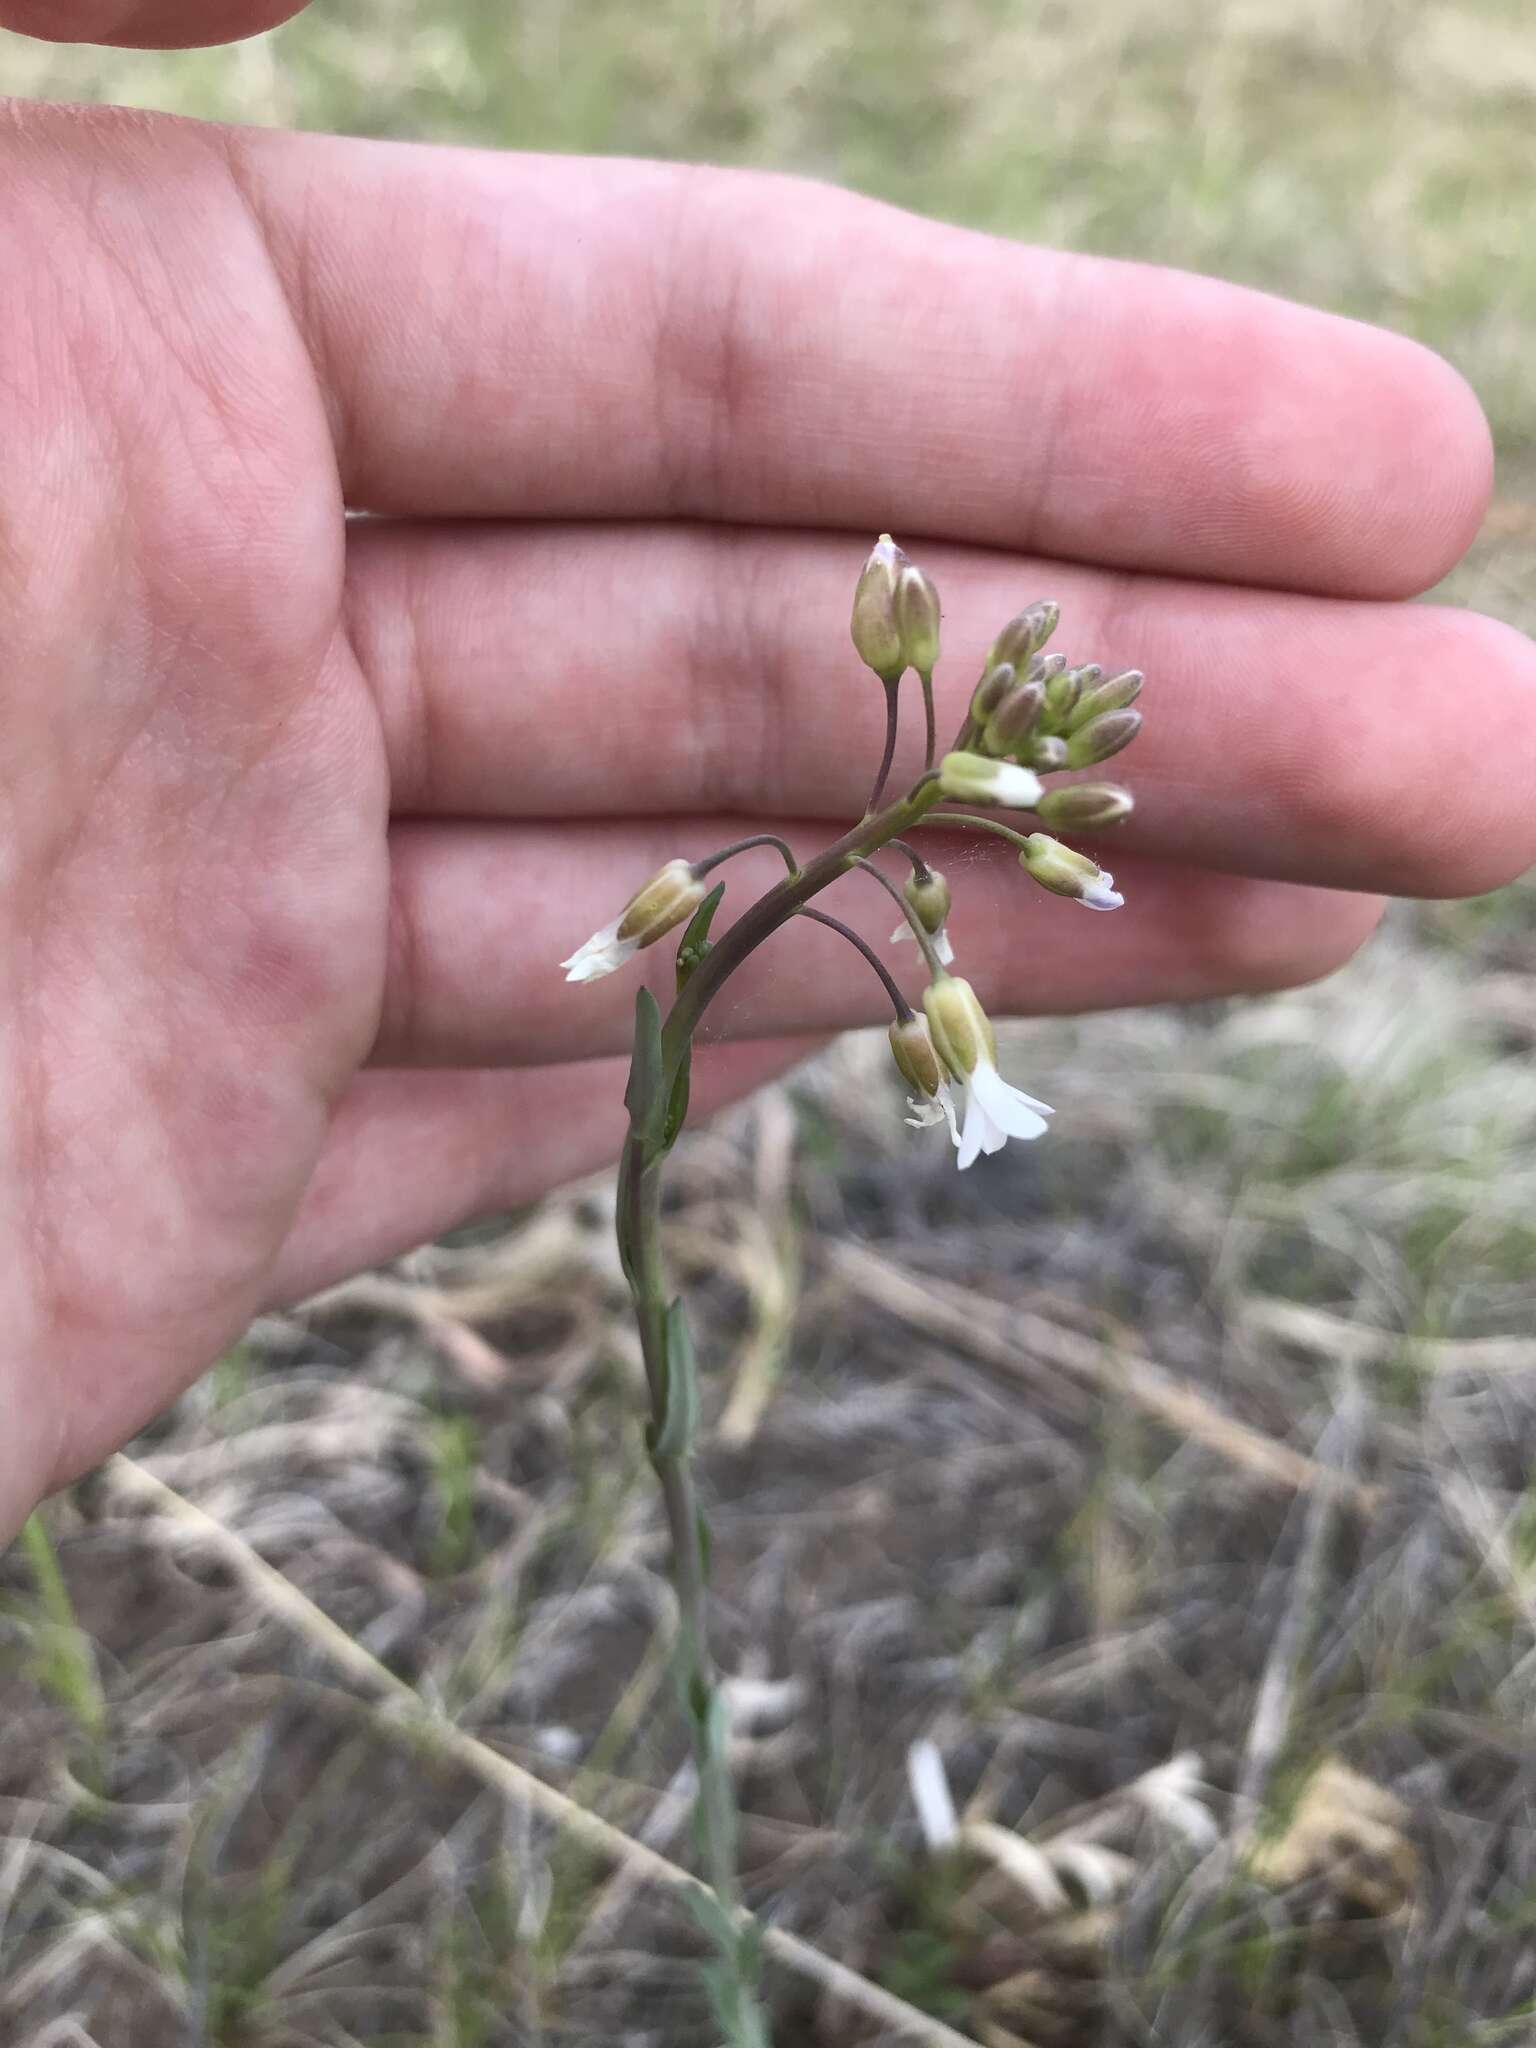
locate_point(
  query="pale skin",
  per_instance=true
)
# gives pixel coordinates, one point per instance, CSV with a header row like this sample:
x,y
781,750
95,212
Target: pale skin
x,y
299,818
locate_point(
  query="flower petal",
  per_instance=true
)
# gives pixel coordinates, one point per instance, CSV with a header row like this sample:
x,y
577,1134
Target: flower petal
x,y
1016,1114
600,955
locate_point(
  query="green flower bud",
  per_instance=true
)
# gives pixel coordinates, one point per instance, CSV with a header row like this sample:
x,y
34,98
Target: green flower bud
x,y
876,635
1067,873
1101,737
991,690
916,1057
929,897
1060,695
1113,694
961,1029
1014,720
1025,634
917,619
1047,754
973,779
1085,806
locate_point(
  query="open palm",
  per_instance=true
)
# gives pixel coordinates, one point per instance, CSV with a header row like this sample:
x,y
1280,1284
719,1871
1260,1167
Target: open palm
x,y
299,814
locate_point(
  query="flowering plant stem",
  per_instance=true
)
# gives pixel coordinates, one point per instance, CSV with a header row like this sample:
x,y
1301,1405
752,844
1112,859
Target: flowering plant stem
x,y
657,1104
947,1057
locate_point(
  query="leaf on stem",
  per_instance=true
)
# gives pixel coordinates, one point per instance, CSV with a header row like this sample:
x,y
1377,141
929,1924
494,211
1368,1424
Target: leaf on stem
x,y
643,1095
672,1436
695,941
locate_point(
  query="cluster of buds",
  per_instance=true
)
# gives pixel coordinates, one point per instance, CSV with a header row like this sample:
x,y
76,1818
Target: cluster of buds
x,y
895,615
1031,716
1034,714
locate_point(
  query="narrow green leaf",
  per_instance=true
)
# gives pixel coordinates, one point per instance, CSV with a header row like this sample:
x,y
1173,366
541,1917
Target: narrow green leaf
x,y
680,1418
643,1096
695,941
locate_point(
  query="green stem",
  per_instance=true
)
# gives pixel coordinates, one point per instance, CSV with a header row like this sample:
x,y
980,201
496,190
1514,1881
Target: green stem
x,y
920,867
930,729
640,1246
713,860
781,902
899,1002
964,823
639,1233
892,715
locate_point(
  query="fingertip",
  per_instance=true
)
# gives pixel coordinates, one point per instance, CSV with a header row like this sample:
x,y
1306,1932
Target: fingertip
x,y
1435,450
146,24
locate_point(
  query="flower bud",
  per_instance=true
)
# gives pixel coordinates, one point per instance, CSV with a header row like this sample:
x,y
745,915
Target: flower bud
x,y
928,894
1113,694
1014,719
991,690
1061,692
1025,634
1067,873
917,619
672,894
1101,737
1085,806
961,1028
876,636
976,780
1046,755
916,1057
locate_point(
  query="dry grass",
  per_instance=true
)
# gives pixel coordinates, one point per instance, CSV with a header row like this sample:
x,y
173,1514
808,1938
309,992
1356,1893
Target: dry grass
x,y
1207,1555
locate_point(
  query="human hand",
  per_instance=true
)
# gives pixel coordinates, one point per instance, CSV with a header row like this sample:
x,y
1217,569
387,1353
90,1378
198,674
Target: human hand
x,y
300,817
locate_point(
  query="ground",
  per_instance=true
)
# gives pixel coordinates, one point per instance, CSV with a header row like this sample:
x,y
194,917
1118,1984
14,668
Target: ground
x,y
1171,1477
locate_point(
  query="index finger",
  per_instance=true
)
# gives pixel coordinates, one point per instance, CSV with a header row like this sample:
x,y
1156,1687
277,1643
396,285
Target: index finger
x,y
525,336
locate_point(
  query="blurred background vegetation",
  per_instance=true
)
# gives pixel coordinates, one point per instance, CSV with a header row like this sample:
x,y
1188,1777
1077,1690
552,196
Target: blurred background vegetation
x,y
1073,1550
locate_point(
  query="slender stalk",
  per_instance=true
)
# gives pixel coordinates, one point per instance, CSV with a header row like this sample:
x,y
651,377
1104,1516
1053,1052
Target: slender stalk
x,y
640,1244
963,822
899,1002
930,730
765,916
892,695
936,968
713,860
920,867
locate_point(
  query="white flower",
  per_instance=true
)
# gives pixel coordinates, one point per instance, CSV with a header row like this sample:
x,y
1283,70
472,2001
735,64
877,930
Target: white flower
x,y
939,1110
928,1782
977,779
996,1112
1101,894
941,945
1174,1794
601,954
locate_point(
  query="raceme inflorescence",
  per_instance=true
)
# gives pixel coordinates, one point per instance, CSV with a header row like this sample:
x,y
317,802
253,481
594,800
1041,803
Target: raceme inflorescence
x,y
1031,717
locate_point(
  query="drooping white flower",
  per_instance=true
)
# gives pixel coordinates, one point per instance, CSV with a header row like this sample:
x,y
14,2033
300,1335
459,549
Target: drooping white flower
x,y
996,1112
1102,894
938,1109
940,938
963,1037
601,954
